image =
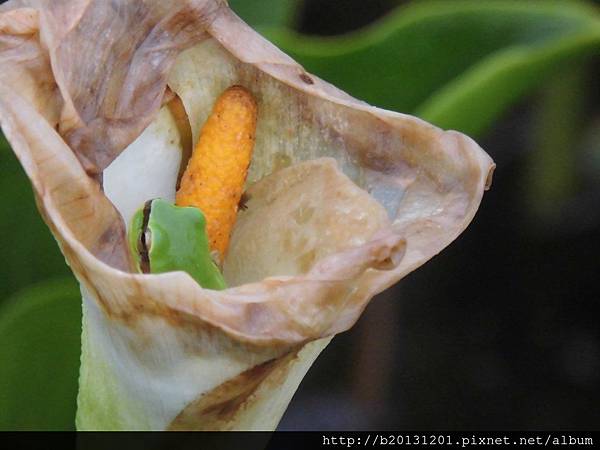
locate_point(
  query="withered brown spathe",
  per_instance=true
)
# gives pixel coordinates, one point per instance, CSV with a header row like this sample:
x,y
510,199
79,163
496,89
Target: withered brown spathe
x,y
82,79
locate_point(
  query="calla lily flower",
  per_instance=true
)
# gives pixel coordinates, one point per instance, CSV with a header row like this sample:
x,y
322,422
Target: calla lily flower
x,y
101,102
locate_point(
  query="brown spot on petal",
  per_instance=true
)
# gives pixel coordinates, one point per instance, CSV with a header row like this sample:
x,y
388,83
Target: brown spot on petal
x,y
217,409
307,79
109,247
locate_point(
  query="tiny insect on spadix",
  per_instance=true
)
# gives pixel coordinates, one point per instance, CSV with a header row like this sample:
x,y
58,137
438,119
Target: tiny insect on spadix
x,y
344,200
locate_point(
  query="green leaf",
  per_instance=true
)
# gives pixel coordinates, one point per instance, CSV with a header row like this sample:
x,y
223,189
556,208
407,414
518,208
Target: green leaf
x,y
458,64
259,13
552,177
40,332
29,251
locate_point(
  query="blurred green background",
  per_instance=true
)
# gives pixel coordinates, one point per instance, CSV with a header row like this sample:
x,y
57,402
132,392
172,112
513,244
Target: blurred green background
x,y
500,330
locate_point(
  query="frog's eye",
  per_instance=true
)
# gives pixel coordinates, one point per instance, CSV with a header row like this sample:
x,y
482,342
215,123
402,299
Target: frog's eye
x,y
144,241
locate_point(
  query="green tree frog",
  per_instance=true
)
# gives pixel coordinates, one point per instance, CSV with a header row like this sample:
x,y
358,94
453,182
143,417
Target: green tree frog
x,y
166,238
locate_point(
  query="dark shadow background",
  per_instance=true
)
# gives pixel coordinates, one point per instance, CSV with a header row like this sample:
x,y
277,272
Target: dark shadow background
x,y
498,331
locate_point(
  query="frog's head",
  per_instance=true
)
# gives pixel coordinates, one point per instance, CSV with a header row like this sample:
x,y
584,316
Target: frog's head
x,y
166,238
